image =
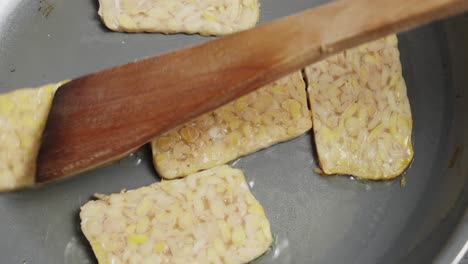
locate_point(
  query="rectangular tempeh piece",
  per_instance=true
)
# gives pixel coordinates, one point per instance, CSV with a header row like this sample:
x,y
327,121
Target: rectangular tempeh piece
x,y
274,113
361,113
23,114
208,17
207,217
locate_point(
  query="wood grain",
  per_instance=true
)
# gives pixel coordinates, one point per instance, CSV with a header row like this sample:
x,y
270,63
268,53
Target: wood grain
x,y
101,116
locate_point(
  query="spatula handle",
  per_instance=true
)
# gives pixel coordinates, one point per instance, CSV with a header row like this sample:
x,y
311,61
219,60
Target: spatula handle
x,y
98,117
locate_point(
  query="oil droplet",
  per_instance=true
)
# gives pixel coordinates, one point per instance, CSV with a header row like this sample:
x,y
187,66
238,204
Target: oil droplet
x,y
75,253
280,247
251,183
234,163
133,159
277,253
280,250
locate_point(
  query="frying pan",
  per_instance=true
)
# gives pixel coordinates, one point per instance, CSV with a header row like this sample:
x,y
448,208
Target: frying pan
x,y
314,219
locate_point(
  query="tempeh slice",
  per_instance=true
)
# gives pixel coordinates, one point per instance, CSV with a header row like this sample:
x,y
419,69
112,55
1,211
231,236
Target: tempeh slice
x,y
23,114
207,217
361,112
208,17
276,112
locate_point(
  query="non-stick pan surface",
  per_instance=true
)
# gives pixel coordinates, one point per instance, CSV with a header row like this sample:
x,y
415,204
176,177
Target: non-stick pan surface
x,y
314,219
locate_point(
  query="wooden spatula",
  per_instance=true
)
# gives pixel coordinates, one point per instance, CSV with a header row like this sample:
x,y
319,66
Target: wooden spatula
x,y
102,116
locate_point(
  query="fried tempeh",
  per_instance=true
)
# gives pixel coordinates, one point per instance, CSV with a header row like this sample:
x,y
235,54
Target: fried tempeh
x,y
208,17
207,217
274,113
361,112
23,114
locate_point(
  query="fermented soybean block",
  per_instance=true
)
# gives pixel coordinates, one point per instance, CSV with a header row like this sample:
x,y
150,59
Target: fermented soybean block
x,y
207,17
207,217
276,112
23,114
361,112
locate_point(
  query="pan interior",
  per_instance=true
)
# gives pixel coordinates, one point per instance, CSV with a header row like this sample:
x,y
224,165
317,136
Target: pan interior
x,y
314,219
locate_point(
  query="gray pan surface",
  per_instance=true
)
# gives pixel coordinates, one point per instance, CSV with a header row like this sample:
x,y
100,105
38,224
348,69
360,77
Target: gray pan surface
x,y
314,219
